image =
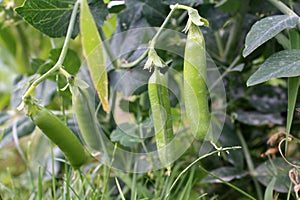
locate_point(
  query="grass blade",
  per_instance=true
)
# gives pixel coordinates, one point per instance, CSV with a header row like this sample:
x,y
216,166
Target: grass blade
x,y
269,190
119,189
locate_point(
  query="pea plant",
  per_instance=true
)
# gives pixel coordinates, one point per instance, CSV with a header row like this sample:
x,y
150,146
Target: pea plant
x,y
140,99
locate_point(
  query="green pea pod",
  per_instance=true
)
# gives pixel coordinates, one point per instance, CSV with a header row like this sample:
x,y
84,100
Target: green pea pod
x,y
161,112
195,89
58,133
85,117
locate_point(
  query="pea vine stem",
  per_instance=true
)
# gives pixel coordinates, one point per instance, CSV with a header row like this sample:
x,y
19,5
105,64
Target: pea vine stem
x,y
197,160
58,64
285,9
155,38
250,164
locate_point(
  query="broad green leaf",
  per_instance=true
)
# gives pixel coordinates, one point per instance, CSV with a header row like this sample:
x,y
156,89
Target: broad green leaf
x,y
71,62
282,64
268,98
109,26
154,11
126,134
225,173
266,29
49,16
229,138
52,16
257,119
275,168
24,126
129,82
94,53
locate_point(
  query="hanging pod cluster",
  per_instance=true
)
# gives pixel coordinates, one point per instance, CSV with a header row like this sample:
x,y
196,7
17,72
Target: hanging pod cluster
x,y
195,89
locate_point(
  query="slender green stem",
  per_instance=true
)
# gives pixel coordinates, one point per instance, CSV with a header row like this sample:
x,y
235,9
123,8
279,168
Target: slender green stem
x,y
227,183
182,7
250,164
283,8
65,73
155,38
40,184
106,179
227,71
23,50
112,105
66,183
137,61
235,31
153,41
219,44
53,173
62,56
197,160
108,50
291,4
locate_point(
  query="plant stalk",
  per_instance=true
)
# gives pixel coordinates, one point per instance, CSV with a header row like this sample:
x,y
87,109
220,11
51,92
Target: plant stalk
x,y
283,8
250,164
155,38
62,56
235,31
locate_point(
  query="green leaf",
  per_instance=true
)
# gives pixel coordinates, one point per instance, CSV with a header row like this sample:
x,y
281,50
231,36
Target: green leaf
x,y
126,134
24,126
154,11
48,16
225,173
282,64
257,118
266,29
274,168
71,63
129,82
268,98
94,53
52,16
129,106
229,138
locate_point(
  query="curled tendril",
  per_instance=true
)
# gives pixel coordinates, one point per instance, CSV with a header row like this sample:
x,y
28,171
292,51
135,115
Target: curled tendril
x,y
282,155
